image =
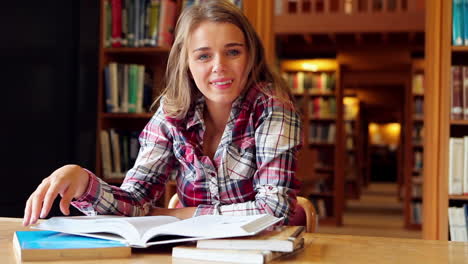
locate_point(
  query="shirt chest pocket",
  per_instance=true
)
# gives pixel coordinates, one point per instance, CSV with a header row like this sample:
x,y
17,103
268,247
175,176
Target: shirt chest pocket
x,y
240,160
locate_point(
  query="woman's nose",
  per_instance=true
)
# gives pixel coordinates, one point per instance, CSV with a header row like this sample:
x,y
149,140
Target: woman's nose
x,y
219,65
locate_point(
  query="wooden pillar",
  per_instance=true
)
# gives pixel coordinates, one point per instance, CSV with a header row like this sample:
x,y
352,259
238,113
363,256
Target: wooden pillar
x,y
260,14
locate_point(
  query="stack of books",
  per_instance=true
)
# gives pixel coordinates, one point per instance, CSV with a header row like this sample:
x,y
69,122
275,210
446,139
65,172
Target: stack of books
x,y
61,238
261,248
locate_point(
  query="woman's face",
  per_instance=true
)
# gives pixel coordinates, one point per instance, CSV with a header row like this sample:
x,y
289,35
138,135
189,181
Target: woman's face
x,y
217,55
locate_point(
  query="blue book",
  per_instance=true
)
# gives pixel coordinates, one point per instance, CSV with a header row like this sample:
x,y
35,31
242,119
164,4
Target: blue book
x,y
50,245
457,23
465,19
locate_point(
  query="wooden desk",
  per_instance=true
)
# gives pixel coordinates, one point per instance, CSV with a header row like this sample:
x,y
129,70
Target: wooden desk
x,y
320,248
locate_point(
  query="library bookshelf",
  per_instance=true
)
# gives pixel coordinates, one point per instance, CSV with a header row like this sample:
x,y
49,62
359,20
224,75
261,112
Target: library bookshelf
x,y
441,55
318,95
154,60
414,147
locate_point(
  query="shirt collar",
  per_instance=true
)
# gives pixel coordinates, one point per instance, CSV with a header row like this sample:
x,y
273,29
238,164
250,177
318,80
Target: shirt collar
x,y
242,102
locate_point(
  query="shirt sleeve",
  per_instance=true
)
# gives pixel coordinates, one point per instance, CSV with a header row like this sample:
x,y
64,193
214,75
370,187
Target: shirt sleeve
x,y
143,184
277,139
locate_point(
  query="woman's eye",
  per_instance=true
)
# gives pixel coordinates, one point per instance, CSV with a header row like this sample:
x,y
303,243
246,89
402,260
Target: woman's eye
x,y
203,57
233,52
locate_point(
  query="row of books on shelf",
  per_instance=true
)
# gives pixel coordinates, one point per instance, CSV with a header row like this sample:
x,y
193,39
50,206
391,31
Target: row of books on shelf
x,y
139,23
459,22
128,88
418,107
458,217
310,82
119,150
416,213
323,107
142,23
459,86
322,133
458,166
418,83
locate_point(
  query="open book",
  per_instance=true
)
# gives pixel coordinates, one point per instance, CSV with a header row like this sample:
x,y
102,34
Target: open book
x,y
146,231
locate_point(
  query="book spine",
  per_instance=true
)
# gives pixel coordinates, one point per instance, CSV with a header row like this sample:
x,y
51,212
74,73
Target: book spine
x,y
105,152
456,166
465,20
116,23
465,91
154,22
130,23
167,20
457,91
132,91
124,24
457,23
114,90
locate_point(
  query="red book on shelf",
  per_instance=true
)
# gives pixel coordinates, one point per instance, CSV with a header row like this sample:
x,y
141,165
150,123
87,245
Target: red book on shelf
x,y
465,92
116,23
457,93
167,21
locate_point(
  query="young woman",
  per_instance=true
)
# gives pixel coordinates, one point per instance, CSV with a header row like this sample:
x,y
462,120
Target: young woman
x,y
225,130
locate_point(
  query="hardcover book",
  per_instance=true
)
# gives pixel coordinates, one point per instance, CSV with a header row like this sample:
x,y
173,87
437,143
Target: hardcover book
x,y
146,231
283,239
231,255
50,245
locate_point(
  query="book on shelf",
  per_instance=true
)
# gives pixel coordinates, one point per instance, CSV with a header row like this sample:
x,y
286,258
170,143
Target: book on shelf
x,y
50,245
457,93
283,239
231,255
135,24
128,88
119,150
465,86
418,83
457,223
458,22
145,231
456,166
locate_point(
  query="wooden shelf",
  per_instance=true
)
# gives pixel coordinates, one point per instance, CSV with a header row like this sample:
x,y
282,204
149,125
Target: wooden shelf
x,y
460,48
314,151
459,122
459,197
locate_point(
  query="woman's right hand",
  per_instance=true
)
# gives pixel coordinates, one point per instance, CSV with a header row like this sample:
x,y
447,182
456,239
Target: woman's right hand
x,y
70,181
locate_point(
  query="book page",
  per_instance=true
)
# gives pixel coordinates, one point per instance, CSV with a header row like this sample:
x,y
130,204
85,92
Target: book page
x,y
209,226
129,228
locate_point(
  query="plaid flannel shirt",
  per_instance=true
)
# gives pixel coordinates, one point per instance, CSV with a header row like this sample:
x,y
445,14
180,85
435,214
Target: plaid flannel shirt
x,y
252,171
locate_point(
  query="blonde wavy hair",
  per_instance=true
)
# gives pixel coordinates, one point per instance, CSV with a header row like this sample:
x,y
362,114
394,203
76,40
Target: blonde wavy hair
x,y
180,90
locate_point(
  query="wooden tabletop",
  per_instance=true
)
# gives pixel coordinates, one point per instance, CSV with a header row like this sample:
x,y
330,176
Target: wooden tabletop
x,y
320,248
